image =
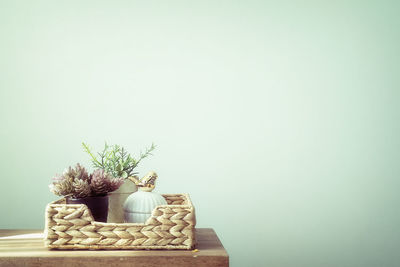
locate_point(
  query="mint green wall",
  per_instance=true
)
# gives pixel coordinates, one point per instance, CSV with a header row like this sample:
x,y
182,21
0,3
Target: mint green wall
x,y
281,119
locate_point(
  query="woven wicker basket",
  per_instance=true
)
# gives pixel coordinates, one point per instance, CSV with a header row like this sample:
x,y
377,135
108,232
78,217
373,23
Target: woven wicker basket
x,y
71,226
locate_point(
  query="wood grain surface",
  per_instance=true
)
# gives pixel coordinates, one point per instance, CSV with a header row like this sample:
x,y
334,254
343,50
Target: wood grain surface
x,y
31,252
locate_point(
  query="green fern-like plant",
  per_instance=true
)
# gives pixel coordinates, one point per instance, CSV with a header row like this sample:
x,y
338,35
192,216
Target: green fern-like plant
x,y
115,160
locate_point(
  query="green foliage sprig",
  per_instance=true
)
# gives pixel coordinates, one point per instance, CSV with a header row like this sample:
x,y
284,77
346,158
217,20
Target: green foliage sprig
x,y
115,160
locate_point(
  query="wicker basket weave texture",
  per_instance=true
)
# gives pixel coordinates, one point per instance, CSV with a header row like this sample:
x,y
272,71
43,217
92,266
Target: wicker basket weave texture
x,y
71,226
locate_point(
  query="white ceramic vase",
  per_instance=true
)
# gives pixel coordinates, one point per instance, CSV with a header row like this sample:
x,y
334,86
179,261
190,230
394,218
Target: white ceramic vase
x,y
139,205
117,200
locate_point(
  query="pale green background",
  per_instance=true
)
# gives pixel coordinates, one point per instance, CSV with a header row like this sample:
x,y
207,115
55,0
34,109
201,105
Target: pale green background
x,y
281,119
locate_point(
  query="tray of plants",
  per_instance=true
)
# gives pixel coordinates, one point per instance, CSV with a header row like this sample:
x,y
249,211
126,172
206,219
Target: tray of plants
x,y
147,220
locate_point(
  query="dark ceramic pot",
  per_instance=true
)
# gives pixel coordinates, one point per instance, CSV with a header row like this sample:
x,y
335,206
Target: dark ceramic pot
x,y
98,206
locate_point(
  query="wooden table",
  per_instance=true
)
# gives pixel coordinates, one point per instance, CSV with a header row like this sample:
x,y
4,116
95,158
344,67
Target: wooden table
x,y
29,250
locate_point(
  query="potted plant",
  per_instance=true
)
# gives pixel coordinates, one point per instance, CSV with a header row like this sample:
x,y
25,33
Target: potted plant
x,y
78,187
116,161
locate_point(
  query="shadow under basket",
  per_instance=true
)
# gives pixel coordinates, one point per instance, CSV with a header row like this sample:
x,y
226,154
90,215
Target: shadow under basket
x,y
71,226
